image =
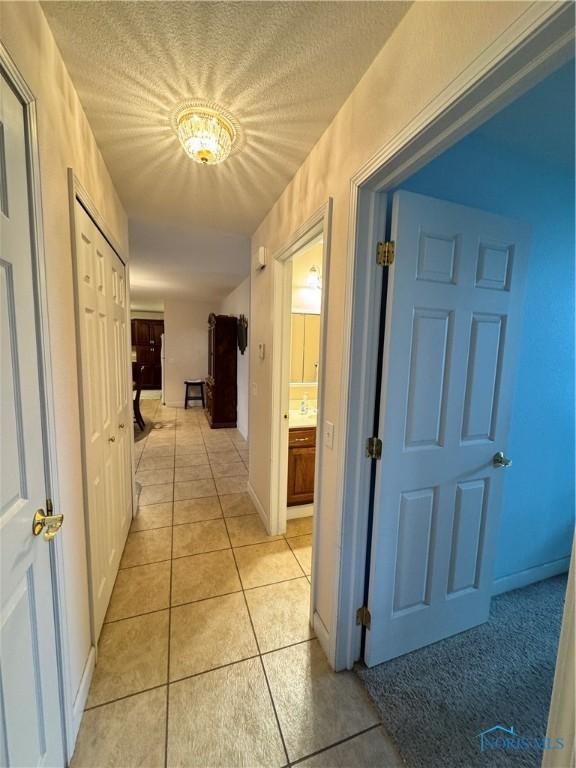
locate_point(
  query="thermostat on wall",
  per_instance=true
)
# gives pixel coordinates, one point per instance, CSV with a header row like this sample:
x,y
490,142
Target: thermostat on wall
x,y
261,257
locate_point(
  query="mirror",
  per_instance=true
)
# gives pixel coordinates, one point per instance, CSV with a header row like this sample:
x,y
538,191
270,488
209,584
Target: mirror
x,y
305,348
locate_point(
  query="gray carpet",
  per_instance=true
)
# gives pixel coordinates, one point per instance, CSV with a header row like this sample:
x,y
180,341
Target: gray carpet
x,y
434,702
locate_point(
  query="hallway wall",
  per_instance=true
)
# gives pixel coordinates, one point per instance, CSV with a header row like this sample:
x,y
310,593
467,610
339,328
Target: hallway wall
x,y
238,303
432,44
65,140
186,345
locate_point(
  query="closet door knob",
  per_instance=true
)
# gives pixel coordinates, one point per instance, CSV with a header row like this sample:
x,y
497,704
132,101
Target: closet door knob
x,y
112,439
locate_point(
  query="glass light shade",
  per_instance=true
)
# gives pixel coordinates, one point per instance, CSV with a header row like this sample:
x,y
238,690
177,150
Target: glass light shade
x,y
205,135
313,278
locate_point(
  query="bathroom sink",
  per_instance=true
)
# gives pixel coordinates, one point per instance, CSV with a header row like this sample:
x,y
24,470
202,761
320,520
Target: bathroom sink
x,y
297,419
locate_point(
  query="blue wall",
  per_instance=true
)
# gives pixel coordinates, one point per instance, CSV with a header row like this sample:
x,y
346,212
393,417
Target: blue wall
x,y
537,517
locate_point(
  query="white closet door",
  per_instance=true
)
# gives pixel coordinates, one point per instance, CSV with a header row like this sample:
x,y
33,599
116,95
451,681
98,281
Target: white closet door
x,y
121,404
101,292
30,716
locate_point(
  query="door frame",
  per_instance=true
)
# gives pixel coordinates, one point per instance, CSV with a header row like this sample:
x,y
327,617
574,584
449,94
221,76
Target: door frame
x,y
41,304
77,193
281,263
539,41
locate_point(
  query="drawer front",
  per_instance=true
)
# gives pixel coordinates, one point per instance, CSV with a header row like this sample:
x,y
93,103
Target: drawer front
x,y
302,437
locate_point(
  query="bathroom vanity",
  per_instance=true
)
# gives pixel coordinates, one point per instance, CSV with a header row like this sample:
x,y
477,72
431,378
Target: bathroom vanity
x,y
301,458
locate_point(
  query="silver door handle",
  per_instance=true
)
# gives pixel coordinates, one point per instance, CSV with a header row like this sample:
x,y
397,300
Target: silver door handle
x,y
499,460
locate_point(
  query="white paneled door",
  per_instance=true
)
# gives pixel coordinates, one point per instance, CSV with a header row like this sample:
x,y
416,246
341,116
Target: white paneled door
x,y
30,719
106,410
453,322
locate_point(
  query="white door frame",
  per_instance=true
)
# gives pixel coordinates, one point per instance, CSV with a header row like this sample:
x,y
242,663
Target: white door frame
x,y
539,41
41,302
76,192
319,223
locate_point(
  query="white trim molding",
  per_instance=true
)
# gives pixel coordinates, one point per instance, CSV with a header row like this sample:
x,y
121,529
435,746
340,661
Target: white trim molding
x,y
562,715
530,575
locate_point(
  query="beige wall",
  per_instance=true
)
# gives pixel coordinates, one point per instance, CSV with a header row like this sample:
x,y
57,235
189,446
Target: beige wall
x,y
65,140
185,345
430,46
238,303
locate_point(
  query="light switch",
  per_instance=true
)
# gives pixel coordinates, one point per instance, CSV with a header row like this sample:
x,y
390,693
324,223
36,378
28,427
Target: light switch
x,y
261,351
328,434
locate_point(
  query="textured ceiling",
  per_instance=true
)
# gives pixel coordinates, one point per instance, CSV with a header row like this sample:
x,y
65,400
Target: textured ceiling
x,y
282,68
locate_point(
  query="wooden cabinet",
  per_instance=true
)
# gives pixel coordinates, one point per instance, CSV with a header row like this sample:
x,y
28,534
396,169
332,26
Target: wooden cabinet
x,y
147,342
301,460
221,395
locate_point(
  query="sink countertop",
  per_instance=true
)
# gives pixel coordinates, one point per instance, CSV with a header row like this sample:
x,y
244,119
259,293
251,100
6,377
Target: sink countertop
x,y
297,419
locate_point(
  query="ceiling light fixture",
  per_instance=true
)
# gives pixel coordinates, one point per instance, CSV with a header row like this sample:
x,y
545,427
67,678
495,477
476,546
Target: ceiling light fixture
x,y
206,132
313,280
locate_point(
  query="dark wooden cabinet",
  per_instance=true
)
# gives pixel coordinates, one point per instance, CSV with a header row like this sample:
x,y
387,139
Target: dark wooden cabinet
x,y
301,460
147,342
221,395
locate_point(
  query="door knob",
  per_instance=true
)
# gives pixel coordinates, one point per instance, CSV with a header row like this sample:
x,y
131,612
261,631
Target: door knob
x,y
499,460
121,426
111,439
51,524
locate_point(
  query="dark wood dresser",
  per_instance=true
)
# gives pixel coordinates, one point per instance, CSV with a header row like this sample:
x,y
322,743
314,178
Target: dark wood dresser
x,y
221,382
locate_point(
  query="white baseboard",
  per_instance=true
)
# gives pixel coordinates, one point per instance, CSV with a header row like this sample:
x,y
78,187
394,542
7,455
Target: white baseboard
x,y
530,576
322,634
258,505
80,702
302,510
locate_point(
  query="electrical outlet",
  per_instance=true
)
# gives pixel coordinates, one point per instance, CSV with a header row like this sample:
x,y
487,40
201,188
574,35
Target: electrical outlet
x,y
328,434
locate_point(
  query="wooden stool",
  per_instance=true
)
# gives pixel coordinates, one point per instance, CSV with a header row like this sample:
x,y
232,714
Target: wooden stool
x,y
188,397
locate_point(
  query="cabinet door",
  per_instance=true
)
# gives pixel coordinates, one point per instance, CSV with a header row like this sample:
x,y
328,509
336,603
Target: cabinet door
x,y
301,475
311,347
297,348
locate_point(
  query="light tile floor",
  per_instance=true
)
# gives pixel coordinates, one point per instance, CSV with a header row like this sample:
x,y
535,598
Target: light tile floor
x,y
206,657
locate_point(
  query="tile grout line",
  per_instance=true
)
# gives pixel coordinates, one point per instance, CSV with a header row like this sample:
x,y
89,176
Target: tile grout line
x,y
260,656
196,674
337,743
169,623
202,599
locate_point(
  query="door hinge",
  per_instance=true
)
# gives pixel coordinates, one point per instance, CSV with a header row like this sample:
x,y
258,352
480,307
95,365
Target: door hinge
x,y
374,448
363,617
385,252
49,507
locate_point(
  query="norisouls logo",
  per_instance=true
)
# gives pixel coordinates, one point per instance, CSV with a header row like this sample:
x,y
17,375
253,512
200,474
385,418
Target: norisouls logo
x,y
500,737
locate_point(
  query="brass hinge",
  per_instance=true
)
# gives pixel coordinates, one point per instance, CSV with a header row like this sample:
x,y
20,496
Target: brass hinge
x,y
385,252
363,617
374,448
49,507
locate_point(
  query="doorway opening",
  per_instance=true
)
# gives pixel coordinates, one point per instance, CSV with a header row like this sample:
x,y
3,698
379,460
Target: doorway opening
x,y
482,284
300,276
